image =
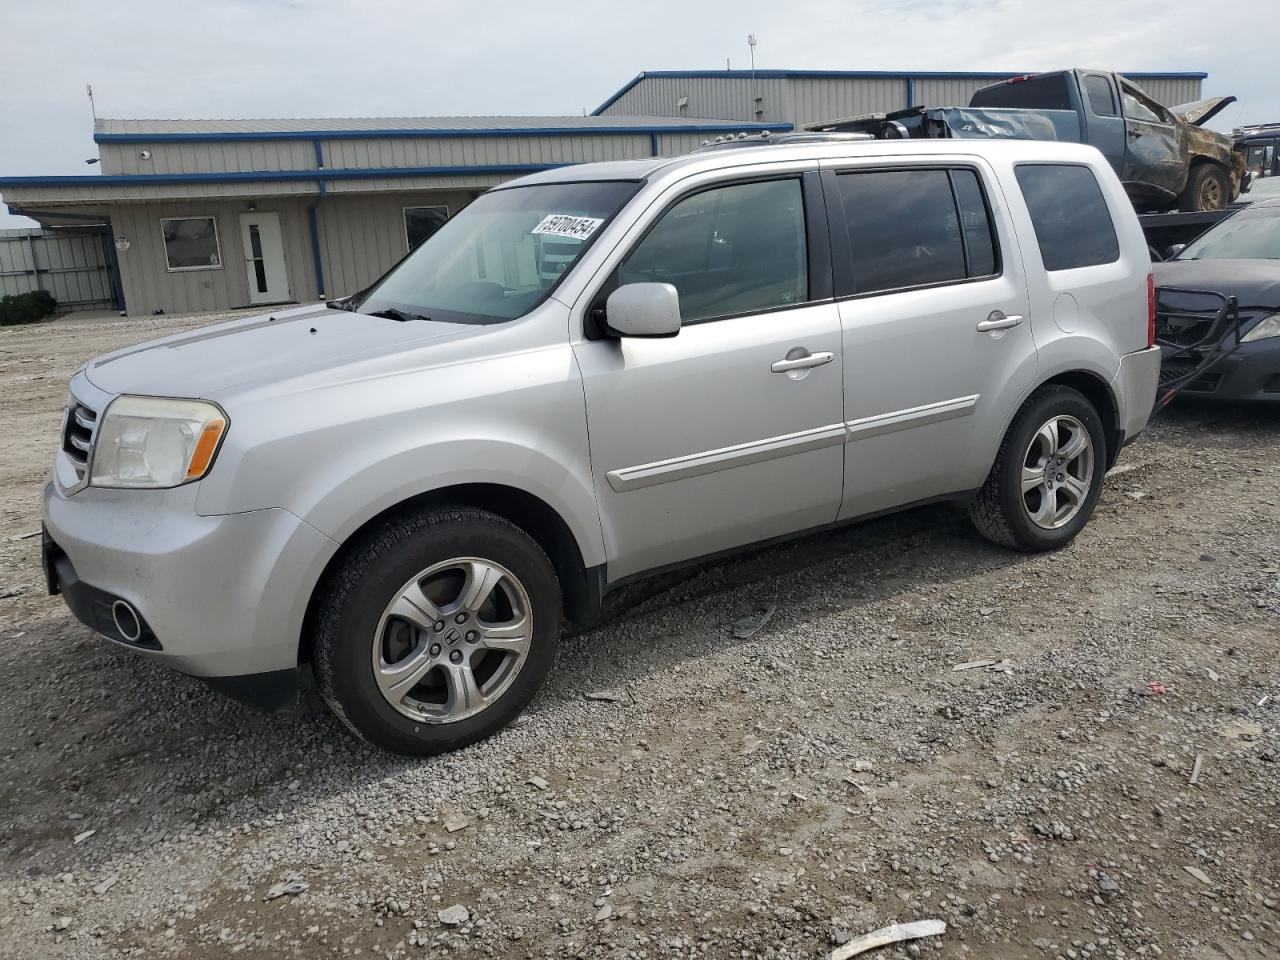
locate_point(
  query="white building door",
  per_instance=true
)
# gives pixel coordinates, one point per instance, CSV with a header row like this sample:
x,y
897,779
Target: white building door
x,y
264,257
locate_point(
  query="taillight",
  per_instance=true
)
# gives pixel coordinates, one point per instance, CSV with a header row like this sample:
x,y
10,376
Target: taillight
x,y
1151,310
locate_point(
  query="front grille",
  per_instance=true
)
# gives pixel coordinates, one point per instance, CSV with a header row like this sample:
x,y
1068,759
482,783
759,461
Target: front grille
x,y
77,435
1183,330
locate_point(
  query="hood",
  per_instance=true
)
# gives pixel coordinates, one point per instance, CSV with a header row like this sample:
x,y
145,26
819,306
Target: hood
x,y
208,361
1254,283
1201,111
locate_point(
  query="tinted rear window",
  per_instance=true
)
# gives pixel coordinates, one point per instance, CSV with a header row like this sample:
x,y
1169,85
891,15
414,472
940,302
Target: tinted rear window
x,y
1048,91
907,228
1101,99
1073,225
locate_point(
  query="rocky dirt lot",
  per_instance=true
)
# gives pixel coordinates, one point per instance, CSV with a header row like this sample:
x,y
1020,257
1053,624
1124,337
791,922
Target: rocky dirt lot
x,y
677,792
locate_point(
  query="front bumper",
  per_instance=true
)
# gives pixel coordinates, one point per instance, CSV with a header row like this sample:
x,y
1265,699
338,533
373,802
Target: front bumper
x,y
218,596
1252,372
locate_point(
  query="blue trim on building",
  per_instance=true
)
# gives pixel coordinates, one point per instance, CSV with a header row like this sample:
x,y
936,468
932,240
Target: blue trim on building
x,y
431,133
315,250
319,155
858,75
273,176
911,91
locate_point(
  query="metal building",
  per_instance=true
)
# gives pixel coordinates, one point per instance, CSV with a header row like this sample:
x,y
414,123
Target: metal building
x,y
207,215
800,97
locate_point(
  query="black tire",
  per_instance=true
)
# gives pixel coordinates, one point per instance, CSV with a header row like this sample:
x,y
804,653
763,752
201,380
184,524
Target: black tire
x,y
359,590
999,509
1206,181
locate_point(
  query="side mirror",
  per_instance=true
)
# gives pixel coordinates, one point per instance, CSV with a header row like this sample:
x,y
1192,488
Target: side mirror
x,y
1174,250
643,310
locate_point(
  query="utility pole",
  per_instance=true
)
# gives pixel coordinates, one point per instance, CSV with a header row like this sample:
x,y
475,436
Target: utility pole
x,y
88,88
755,90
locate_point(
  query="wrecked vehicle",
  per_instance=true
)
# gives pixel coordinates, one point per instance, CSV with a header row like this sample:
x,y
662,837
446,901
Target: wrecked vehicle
x,y
1163,155
1219,316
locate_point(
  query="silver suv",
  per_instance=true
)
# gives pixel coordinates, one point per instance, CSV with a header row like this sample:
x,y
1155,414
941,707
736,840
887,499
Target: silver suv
x,y
589,374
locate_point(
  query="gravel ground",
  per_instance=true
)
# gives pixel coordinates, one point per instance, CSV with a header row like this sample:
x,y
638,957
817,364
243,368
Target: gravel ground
x,y
767,797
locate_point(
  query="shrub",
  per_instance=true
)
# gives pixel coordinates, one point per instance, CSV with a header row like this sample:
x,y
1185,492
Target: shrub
x,y
26,307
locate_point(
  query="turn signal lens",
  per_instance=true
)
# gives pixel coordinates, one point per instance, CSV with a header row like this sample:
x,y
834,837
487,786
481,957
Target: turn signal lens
x,y
206,447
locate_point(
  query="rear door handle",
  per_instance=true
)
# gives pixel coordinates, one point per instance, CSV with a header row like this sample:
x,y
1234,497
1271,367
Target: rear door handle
x,y
999,321
800,363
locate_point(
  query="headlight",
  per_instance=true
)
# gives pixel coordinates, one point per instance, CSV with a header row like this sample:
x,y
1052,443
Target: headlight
x,y
154,442
1267,327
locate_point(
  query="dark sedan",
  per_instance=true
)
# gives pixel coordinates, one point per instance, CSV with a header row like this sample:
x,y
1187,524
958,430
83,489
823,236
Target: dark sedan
x,y
1239,257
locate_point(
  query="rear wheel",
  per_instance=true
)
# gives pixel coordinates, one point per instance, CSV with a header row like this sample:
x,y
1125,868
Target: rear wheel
x,y
1207,189
437,630
1047,476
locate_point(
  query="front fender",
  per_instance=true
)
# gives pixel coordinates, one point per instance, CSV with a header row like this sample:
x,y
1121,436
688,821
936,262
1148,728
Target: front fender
x,y
349,504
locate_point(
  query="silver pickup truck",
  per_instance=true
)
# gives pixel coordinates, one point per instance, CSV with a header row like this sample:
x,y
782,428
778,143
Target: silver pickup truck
x,y
1163,155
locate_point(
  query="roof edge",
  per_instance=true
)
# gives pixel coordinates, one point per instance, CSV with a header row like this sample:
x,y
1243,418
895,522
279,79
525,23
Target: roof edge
x,y
862,74
271,176
713,126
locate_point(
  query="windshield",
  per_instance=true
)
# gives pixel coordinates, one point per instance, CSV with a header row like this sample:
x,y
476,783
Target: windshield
x,y
501,256
1246,236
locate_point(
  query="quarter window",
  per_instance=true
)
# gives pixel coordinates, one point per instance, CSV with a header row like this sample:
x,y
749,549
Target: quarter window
x,y
911,228
191,243
1072,223
422,222
729,250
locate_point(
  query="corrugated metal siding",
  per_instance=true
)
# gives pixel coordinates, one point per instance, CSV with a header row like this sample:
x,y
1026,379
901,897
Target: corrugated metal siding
x,y
363,237
305,125
449,152
946,93
70,265
1171,91
721,98
150,286
207,157
801,100
814,100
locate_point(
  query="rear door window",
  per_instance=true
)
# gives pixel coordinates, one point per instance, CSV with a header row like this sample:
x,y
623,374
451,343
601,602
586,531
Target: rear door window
x,y
729,250
1101,100
912,228
1072,223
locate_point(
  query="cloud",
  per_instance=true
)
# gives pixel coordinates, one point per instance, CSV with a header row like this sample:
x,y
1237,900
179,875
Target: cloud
x,y
234,58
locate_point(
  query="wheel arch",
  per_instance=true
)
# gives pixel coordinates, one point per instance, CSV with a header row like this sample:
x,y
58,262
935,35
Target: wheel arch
x,y
1099,393
581,586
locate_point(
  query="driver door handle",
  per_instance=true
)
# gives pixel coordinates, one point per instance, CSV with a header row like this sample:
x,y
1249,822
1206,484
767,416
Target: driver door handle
x,y
999,321
799,363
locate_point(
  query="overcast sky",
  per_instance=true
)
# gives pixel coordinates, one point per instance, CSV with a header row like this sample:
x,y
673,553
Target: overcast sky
x,y
272,58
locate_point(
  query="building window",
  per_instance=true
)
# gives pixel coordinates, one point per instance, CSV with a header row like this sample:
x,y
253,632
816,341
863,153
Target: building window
x,y
191,243
422,222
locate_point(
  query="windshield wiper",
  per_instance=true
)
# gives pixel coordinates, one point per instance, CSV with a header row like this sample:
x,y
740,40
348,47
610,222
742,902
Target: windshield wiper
x,y
392,313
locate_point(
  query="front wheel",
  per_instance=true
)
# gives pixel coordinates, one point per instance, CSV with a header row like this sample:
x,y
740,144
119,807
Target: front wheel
x,y
437,630
1207,189
1047,476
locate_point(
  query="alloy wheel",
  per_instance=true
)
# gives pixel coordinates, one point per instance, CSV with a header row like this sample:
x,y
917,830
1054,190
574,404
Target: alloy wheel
x,y
1057,472
452,640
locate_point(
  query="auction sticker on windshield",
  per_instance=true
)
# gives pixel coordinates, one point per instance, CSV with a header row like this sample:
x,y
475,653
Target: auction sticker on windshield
x,y
566,225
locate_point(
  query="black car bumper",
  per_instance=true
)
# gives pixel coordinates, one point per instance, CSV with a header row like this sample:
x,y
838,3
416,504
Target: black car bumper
x,y
1252,372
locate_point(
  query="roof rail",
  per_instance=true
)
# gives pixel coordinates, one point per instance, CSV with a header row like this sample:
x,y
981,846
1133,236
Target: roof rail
x,y
1254,128
768,139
